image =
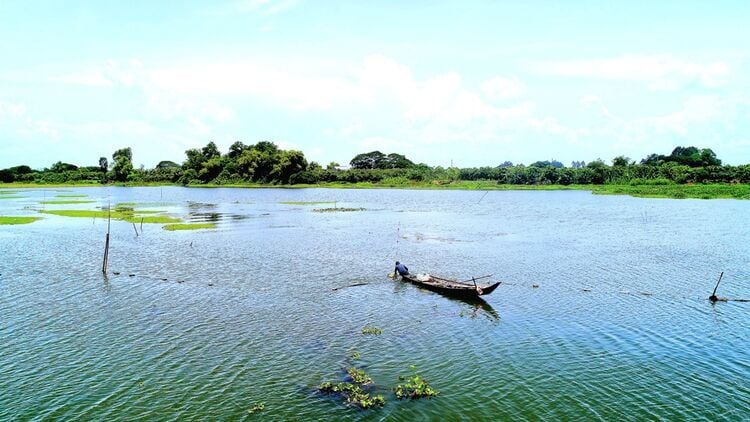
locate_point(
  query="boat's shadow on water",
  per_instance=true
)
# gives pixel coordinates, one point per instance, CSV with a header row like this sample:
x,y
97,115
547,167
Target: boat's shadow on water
x,y
476,306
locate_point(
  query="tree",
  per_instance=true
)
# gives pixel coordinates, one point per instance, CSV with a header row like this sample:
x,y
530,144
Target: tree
x,y
103,164
621,161
236,149
210,151
266,147
123,164
368,160
314,166
395,161
60,167
167,165
287,164
333,165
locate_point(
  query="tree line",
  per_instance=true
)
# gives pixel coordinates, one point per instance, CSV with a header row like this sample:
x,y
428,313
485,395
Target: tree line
x,y
265,163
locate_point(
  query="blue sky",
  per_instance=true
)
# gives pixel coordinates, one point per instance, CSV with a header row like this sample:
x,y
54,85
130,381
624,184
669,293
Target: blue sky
x,y
476,83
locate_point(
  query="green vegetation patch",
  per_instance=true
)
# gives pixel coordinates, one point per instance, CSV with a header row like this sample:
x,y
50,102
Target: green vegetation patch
x,y
17,220
415,387
65,202
71,195
338,209
189,226
370,330
353,392
116,215
11,197
358,376
676,191
257,407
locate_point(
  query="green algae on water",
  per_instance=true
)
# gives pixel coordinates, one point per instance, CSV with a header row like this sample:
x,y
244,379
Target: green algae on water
x,y
71,195
189,226
128,216
11,220
64,202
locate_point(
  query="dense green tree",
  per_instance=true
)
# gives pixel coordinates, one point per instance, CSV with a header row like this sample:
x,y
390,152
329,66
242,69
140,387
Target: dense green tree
x,y
368,160
167,165
236,149
122,164
621,161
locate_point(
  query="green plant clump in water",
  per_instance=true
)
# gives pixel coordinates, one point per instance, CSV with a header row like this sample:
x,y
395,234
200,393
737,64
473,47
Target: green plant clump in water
x,y
128,216
257,407
17,220
415,387
370,330
71,195
65,202
359,376
355,355
353,393
338,209
189,226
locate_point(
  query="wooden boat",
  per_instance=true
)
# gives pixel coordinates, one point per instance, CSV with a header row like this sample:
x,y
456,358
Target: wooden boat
x,y
462,289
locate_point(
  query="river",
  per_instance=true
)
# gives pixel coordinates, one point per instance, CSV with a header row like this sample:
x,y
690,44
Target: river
x,y
204,325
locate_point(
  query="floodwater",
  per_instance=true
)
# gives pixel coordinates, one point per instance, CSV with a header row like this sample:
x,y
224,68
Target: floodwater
x,y
204,325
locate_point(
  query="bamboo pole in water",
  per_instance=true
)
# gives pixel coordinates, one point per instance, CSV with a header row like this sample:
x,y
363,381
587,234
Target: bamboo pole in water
x,y
713,297
135,230
106,242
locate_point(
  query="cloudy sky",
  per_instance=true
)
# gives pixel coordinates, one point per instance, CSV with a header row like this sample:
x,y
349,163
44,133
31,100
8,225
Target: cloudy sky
x,y
472,82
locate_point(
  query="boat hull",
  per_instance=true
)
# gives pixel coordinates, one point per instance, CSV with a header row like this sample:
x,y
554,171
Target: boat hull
x,y
451,287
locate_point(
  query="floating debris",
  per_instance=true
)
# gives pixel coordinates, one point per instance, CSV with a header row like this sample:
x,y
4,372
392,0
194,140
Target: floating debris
x,y
535,286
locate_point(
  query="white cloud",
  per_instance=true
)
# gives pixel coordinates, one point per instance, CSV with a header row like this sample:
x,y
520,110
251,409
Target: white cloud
x,y
500,88
658,72
696,109
11,110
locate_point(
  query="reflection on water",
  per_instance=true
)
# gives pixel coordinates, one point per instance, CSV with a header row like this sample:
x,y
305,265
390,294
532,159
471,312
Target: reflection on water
x,y
214,321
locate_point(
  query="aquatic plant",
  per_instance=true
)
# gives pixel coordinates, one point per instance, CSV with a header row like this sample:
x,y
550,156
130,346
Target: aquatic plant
x,y
359,376
415,387
355,355
370,330
257,407
64,202
129,216
189,226
353,394
7,220
71,195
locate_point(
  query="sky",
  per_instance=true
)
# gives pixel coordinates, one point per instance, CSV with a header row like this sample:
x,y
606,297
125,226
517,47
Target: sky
x,y
471,83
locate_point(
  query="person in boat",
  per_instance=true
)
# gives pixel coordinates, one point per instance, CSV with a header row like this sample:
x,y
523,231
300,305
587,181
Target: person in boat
x,y
401,269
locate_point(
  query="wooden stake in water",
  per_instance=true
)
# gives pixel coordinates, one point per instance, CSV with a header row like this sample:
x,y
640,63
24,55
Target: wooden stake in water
x,y
135,230
713,297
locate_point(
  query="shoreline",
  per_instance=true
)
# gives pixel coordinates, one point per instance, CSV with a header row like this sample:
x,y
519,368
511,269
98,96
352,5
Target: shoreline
x,y
669,191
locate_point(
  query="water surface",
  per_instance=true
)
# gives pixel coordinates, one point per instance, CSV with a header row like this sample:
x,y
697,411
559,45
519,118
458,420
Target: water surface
x,y
205,324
